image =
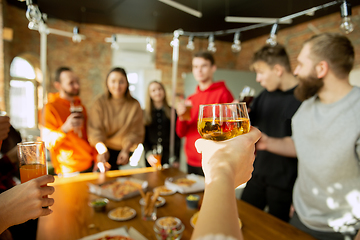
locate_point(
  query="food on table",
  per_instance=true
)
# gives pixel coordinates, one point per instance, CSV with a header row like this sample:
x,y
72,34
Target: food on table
x,y
150,201
192,197
168,228
164,190
168,222
114,238
99,204
120,189
192,201
184,182
194,219
159,202
122,213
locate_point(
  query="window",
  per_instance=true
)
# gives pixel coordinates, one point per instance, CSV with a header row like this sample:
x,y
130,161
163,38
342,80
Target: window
x,y
23,94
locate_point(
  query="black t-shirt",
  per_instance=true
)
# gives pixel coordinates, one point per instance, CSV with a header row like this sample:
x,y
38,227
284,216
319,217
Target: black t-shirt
x,y
158,131
271,112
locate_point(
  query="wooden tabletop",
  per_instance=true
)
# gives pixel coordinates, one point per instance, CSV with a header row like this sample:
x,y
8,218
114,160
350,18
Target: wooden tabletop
x,y
72,218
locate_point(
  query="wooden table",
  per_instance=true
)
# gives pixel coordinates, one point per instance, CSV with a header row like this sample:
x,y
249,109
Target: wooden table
x,y
72,216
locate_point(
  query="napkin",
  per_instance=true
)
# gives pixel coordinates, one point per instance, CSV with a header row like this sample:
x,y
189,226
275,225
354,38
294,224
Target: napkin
x,y
132,233
117,231
198,186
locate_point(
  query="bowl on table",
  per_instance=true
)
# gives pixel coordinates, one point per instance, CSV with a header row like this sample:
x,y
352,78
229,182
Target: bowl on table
x,y
168,228
99,204
192,201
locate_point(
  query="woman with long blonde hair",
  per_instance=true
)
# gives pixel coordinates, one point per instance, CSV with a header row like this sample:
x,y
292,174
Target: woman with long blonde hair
x,y
157,126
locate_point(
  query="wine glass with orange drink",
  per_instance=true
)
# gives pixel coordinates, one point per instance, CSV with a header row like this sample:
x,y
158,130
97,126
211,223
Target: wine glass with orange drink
x,y
219,122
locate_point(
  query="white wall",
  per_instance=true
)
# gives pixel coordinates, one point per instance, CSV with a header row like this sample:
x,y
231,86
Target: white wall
x,y
355,77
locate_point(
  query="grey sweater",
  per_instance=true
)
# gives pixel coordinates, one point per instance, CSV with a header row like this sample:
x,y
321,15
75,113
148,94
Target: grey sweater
x,y
327,140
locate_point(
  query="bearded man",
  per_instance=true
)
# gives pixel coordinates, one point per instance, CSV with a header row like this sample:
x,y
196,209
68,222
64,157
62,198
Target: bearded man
x,y
326,140
64,130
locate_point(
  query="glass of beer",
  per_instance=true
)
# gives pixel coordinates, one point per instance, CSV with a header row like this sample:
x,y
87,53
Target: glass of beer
x,y
220,122
32,160
157,152
77,109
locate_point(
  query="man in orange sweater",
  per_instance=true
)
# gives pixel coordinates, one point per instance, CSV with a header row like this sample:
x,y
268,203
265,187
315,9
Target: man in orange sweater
x,y
64,132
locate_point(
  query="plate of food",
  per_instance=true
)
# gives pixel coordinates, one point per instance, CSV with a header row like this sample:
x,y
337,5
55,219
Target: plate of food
x,y
119,189
164,191
122,214
159,202
194,218
186,184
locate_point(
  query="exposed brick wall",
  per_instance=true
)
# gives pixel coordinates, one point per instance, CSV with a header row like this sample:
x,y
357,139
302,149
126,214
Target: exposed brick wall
x,y
91,59
2,92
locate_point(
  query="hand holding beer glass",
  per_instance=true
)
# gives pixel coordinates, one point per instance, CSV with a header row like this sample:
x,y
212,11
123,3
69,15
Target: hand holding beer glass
x,y
78,110
32,160
184,110
219,122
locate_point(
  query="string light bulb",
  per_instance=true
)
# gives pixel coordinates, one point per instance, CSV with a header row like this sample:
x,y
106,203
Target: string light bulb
x,y
236,46
33,14
272,40
346,24
211,47
114,44
190,46
76,36
149,44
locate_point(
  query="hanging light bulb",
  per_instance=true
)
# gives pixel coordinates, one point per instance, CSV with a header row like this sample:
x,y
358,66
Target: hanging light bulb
x,y
211,47
114,44
190,46
149,44
272,38
33,14
346,25
76,36
176,42
236,46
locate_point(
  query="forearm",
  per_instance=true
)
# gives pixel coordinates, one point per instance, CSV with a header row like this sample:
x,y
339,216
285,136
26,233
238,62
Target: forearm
x,y
357,237
282,146
4,223
221,215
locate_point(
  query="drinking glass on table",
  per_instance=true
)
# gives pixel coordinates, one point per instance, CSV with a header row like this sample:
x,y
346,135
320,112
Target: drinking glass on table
x,y
220,122
32,160
247,95
157,153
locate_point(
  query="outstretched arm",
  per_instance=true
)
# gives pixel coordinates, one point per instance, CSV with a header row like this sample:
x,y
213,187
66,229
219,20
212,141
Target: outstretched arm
x,y
226,165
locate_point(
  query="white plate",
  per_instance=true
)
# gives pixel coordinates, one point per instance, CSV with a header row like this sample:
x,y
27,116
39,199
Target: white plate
x,y
171,192
121,219
159,204
198,186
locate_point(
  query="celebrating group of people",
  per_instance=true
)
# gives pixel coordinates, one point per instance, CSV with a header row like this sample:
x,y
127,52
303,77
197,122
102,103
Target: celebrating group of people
x,y
112,129
307,165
